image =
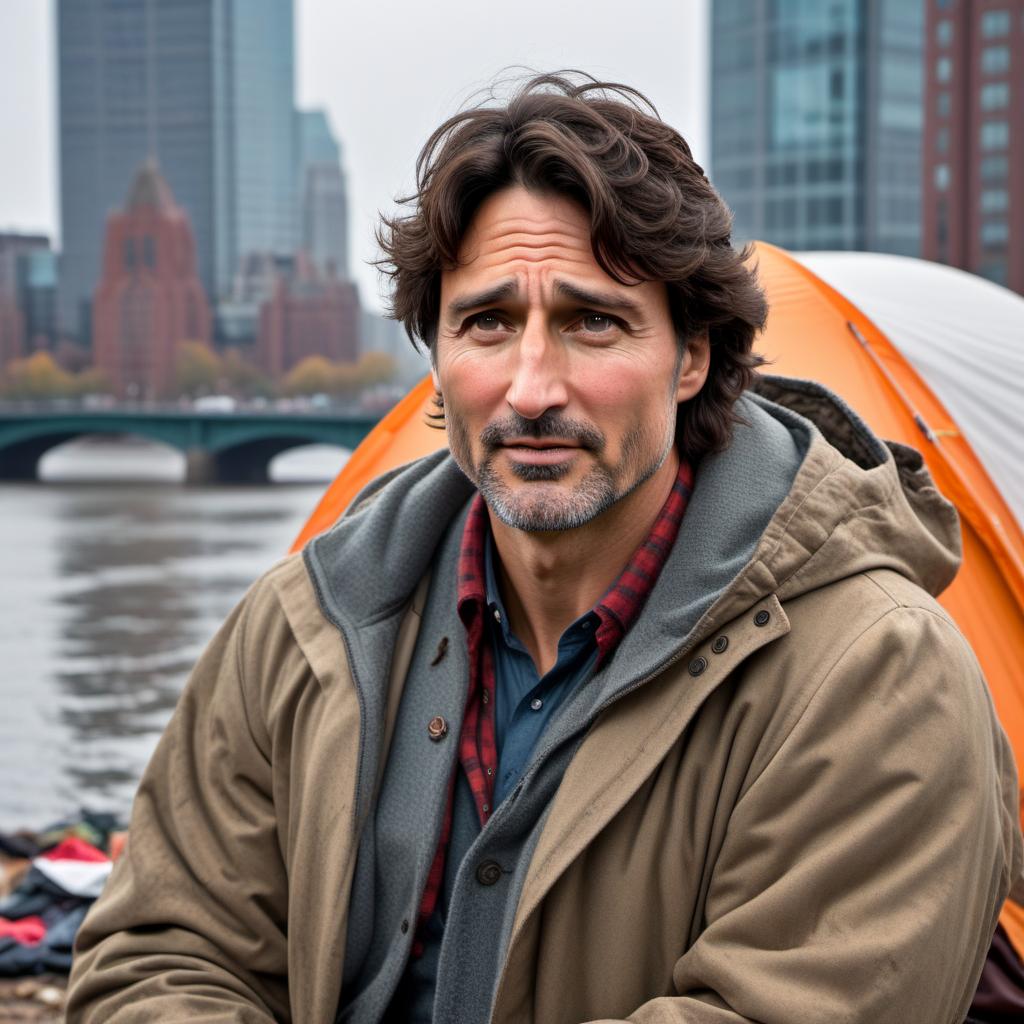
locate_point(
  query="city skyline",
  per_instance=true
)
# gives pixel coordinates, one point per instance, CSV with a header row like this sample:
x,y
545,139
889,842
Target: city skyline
x,y
438,59
205,91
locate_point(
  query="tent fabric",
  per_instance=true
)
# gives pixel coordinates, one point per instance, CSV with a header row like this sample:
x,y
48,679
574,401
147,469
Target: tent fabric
x,y
963,335
822,332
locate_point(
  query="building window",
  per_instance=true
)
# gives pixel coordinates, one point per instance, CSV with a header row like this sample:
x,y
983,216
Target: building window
x,y
995,60
995,23
995,96
942,140
994,168
129,253
995,232
995,135
944,32
943,104
149,251
943,69
995,200
994,270
942,177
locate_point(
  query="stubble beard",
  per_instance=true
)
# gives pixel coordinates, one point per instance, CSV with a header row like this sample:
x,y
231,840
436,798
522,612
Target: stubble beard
x,y
539,509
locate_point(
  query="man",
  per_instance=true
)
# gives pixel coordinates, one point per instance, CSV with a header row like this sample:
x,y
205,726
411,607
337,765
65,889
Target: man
x,y
635,706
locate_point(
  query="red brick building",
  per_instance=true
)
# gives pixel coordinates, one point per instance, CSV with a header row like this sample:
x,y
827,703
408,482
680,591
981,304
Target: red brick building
x,y
149,298
973,165
312,313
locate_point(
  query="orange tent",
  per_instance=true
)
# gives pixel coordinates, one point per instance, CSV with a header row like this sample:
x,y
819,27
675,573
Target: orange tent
x,y
816,332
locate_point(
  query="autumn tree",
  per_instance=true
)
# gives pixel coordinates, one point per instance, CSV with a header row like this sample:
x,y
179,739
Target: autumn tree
x,y
314,375
375,368
243,379
37,377
197,369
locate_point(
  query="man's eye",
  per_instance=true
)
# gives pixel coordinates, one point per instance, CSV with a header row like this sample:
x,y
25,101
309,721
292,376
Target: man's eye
x,y
486,322
597,323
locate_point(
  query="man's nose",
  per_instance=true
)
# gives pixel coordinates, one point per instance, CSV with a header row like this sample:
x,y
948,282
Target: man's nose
x,y
538,380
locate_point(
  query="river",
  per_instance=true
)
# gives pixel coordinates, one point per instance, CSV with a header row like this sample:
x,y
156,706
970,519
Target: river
x,y
113,576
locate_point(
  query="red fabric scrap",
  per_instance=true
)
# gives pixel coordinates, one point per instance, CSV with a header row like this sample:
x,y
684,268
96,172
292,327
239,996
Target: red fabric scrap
x,y
29,931
74,848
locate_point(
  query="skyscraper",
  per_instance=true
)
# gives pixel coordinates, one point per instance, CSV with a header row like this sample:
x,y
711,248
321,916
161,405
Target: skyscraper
x,y
973,174
205,87
27,280
816,118
324,212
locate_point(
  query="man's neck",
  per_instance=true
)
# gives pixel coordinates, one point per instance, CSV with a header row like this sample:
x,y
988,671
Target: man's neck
x,y
548,580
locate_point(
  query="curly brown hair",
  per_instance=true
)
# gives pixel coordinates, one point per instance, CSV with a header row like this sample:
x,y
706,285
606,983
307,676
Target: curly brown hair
x,y
654,216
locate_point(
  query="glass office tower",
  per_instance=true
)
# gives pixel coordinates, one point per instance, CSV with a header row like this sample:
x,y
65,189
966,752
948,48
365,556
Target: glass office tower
x,y
816,121
324,194
206,88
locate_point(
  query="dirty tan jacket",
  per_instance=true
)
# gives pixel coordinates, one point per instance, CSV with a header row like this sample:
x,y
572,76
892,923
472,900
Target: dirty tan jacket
x,y
809,816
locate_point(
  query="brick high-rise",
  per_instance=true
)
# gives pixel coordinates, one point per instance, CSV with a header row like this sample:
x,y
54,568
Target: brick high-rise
x,y
312,313
150,297
973,168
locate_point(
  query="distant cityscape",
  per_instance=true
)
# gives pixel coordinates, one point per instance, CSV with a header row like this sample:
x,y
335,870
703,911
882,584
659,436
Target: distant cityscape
x,y
204,219
204,222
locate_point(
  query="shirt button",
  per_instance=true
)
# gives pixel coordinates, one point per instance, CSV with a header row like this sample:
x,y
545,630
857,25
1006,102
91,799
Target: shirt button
x,y
761,618
586,625
720,644
536,703
697,666
486,697
490,771
437,728
487,808
497,615
488,872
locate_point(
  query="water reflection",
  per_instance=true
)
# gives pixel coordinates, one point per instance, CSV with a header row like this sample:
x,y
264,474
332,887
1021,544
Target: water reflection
x,y
109,593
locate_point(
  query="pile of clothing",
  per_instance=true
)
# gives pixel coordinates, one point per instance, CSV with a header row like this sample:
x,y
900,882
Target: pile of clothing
x,y
48,881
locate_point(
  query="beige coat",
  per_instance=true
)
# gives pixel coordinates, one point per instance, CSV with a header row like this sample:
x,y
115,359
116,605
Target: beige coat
x,y
810,816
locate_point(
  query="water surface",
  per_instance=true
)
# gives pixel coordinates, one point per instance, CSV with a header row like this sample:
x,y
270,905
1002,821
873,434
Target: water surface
x,y
113,577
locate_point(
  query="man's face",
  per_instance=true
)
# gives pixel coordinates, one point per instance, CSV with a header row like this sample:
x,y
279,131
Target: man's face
x,y
560,385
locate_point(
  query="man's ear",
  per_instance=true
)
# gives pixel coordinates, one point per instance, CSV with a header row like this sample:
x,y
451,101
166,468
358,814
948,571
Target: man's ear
x,y
694,366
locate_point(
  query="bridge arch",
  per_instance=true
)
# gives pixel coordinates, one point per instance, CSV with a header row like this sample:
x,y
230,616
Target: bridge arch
x,y
23,444
248,461
218,447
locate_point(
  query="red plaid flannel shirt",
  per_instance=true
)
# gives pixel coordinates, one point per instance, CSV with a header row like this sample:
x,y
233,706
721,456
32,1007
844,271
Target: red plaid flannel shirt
x,y
617,611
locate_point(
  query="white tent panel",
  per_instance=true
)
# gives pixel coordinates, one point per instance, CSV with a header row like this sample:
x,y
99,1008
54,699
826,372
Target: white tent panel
x,y
963,335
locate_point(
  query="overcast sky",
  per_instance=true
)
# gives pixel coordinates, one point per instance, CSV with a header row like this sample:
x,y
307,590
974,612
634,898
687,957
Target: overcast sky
x,y
387,71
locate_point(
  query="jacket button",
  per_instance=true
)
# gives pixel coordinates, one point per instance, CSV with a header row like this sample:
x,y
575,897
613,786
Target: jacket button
x,y
720,644
761,618
488,872
437,728
697,666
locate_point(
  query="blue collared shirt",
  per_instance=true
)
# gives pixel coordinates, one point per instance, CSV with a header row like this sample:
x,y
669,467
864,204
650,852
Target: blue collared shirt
x,y
524,702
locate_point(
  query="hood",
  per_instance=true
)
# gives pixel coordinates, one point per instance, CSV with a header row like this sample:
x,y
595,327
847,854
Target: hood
x,y
857,503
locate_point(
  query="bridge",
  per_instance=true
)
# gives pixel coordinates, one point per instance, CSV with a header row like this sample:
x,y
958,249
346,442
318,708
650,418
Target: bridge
x,y
219,447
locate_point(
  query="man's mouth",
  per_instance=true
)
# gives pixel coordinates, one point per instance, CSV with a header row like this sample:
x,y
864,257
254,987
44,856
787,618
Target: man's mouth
x,y
548,451
539,445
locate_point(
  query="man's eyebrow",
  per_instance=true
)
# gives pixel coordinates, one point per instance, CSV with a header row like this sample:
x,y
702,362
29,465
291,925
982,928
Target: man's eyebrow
x,y
586,297
496,293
